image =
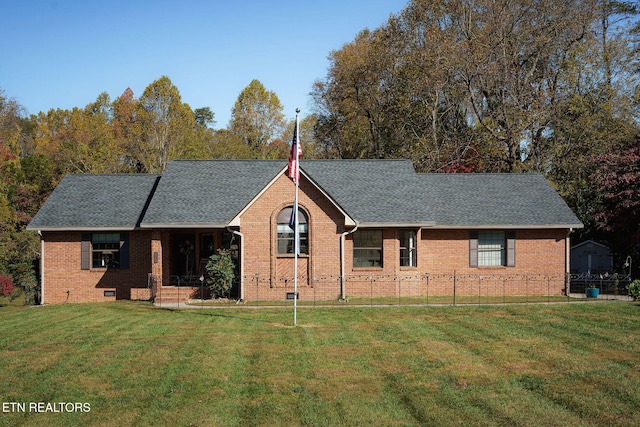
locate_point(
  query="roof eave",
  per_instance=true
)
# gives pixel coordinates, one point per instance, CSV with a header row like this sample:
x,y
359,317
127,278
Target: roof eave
x,y
164,225
508,226
80,228
420,224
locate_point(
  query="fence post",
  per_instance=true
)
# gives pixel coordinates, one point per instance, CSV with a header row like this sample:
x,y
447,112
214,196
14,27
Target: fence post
x,y
314,289
371,290
257,277
454,287
504,290
399,287
427,288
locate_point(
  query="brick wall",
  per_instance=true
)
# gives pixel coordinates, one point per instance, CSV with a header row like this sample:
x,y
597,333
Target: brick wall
x,y
537,252
441,253
259,227
65,281
269,276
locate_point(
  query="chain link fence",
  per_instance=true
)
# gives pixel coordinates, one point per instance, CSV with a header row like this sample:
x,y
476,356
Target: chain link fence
x,y
381,290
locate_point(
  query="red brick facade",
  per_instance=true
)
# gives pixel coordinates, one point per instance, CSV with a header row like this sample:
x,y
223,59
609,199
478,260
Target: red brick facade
x,y
64,280
268,276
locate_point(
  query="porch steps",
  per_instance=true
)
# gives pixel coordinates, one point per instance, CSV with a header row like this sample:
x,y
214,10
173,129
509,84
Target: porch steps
x,y
175,294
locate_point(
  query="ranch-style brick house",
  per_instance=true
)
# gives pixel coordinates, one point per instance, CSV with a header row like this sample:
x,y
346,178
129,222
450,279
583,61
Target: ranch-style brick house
x,y
144,236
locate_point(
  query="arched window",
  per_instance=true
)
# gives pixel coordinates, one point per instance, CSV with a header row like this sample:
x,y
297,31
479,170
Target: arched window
x,y
285,231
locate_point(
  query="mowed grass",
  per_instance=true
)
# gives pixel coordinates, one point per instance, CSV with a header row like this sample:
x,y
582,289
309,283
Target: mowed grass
x,y
135,364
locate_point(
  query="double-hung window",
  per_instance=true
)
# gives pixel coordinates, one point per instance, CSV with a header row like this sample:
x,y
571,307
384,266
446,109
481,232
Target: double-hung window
x,y
104,250
367,248
408,248
492,248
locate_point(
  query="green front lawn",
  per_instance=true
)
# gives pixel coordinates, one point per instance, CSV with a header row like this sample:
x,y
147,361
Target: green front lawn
x,y
135,364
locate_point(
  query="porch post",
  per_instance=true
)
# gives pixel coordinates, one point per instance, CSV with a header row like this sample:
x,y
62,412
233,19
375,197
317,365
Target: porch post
x,y
156,256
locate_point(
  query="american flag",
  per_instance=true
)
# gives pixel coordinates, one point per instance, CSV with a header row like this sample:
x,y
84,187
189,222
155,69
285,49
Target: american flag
x,y
294,156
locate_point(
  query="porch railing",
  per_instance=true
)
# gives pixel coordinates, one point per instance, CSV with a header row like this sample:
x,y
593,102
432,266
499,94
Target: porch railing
x,y
186,280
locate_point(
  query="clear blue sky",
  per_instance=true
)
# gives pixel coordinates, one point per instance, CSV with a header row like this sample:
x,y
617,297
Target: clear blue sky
x,y
64,53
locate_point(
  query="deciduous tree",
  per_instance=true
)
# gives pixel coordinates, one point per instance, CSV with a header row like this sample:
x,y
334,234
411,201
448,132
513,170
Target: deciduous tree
x,y
167,125
257,116
615,194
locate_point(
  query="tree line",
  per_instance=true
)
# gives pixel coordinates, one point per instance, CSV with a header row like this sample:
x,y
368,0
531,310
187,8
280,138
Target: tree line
x,y
126,135
500,86
455,86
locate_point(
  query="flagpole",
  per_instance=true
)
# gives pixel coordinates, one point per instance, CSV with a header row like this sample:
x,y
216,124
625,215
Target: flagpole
x,y
296,235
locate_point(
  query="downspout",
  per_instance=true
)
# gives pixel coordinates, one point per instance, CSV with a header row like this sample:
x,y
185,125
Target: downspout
x,y
567,262
342,281
239,234
41,267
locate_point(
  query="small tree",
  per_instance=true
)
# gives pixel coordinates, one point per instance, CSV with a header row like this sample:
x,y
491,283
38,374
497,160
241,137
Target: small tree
x,y
26,280
221,272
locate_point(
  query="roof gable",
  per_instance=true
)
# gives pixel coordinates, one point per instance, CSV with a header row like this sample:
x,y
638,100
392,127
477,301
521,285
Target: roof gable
x,y
589,244
236,220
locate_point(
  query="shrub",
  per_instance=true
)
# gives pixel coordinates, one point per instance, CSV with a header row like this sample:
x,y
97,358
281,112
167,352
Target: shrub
x,y
221,272
634,289
6,285
25,278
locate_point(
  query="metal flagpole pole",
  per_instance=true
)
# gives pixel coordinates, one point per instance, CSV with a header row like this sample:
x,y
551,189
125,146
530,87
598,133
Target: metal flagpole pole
x,y
296,235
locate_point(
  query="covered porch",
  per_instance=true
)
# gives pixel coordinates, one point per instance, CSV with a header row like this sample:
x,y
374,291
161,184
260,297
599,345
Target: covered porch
x,y
180,257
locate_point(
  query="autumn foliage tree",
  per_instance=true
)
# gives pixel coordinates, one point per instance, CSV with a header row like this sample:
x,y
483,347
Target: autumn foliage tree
x,y
166,126
257,117
480,85
614,185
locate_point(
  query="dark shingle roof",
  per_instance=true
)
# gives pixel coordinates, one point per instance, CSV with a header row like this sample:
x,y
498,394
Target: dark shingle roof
x,y
207,191
96,201
502,199
212,193
372,191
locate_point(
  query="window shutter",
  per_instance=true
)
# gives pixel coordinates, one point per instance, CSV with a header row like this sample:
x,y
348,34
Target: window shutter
x,y
85,252
124,250
473,249
511,249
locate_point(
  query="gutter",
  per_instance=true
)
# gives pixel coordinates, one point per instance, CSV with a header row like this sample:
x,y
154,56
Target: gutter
x,y
239,234
508,226
342,238
41,267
